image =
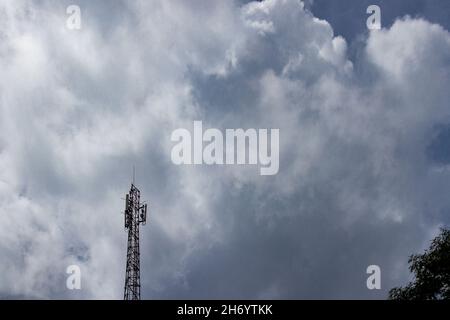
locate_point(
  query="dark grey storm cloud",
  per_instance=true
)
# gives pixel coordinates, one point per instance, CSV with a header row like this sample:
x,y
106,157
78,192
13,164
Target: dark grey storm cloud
x,y
363,164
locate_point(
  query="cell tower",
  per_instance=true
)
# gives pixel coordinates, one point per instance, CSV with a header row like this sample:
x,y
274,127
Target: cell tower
x,y
135,214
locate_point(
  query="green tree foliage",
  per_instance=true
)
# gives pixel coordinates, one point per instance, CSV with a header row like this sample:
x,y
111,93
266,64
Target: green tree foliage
x,y
431,273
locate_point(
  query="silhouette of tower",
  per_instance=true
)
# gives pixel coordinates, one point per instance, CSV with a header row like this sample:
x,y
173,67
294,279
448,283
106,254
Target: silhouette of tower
x,y
135,214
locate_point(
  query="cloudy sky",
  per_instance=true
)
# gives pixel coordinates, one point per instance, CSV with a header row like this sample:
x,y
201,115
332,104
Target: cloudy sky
x,y
364,121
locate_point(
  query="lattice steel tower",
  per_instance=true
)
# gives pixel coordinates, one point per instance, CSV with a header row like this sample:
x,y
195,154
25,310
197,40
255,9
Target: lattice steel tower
x,y
135,214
